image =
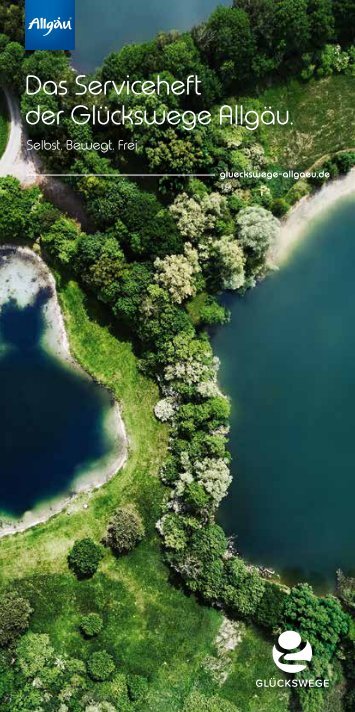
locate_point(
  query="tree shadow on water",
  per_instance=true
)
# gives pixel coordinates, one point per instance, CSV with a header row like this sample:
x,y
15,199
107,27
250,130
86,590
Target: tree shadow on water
x,y
22,327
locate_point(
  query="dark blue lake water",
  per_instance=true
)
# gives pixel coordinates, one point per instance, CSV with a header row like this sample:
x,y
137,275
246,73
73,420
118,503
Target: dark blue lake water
x,y
103,26
51,415
288,363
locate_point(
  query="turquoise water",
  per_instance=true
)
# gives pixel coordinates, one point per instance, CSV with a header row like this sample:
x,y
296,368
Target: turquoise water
x,y
52,416
288,363
103,26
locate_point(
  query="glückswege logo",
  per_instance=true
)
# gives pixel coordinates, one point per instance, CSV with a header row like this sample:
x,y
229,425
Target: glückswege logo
x,y
288,641
292,656
50,25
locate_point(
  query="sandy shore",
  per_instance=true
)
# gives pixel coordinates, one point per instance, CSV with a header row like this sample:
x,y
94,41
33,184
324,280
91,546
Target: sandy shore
x,y
309,208
22,275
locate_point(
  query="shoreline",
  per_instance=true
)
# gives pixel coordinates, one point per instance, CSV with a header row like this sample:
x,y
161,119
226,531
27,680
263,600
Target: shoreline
x,y
309,208
58,344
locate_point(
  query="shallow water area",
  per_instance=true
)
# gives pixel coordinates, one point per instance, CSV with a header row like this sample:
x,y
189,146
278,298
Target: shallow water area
x,y
60,431
288,360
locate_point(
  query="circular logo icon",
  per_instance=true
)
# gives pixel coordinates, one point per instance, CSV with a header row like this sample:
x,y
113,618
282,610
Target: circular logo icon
x,y
283,657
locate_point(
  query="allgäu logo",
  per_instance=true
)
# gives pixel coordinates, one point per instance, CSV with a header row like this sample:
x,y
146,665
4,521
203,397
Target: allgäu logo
x,y
288,641
50,25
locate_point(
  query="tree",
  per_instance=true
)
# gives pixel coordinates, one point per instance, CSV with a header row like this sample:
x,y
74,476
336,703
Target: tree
x,y
18,209
262,16
204,445
47,65
321,21
84,557
132,59
214,475
15,612
145,227
189,360
230,262
196,497
159,321
346,589
91,625
344,15
345,161
279,207
174,151
45,102
134,282
4,40
257,230
100,666
12,20
11,63
165,410
102,264
61,241
201,563
125,530
172,529
270,610
243,587
181,56
197,216
321,621
229,44
176,274
212,313
293,26
207,416
34,652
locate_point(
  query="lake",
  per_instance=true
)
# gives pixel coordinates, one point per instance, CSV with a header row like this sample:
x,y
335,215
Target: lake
x,y
57,425
103,26
288,364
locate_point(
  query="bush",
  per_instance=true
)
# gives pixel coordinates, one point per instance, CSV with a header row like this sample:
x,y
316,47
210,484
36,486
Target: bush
x,y
125,530
84,558
15,613
345,161
91,625
100,666
279,207
34,654
137,688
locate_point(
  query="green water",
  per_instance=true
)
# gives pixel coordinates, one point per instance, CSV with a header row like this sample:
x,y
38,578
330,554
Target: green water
x,y
104,26
288,363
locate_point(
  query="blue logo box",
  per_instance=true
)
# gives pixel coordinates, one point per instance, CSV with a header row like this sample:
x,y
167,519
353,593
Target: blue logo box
x,y
50,24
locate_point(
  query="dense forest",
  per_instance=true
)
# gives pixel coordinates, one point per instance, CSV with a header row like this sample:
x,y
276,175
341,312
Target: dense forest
x,y
158,260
